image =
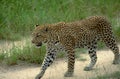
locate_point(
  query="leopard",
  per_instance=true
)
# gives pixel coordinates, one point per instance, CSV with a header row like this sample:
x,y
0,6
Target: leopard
x,y
67,36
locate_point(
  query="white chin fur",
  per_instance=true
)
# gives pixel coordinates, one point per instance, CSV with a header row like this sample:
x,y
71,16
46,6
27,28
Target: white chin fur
x,y
38,46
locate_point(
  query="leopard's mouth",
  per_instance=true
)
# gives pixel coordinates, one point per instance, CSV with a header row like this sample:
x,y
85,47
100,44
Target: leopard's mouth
x,y
39,44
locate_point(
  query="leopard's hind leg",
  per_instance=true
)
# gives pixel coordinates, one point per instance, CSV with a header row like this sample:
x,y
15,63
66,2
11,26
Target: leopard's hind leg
x,y
110,42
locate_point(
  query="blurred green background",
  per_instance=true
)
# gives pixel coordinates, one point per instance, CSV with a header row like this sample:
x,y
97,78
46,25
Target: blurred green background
x,y
18,17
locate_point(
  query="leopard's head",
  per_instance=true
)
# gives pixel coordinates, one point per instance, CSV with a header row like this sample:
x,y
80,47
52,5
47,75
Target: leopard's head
x,y
40,35
44,33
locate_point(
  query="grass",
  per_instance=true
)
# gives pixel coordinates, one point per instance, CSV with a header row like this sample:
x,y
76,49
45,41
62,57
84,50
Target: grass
x,y
28,53
115,75
2,56
18,17
117,32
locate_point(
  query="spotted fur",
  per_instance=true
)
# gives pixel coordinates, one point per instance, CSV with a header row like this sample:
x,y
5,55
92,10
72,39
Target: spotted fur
x,y
79,34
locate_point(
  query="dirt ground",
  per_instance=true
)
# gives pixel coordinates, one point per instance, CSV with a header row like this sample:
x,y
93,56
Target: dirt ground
x,y
58,68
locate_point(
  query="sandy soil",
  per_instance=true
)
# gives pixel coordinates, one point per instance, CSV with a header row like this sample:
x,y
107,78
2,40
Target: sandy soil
x,y
58,68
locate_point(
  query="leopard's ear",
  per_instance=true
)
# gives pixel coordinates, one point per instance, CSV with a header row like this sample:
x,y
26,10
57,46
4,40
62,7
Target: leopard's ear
x,y
46,29
36,25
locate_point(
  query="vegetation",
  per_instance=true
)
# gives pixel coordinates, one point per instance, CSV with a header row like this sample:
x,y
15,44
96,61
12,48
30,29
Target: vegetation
x,y
2,56
28,53
115,75
18,17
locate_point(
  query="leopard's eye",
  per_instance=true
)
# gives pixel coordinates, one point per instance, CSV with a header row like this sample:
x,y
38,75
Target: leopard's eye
x,y
38,35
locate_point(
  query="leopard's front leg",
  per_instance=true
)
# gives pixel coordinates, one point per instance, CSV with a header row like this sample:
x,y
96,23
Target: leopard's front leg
x,y
48,60
68,42
71,61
